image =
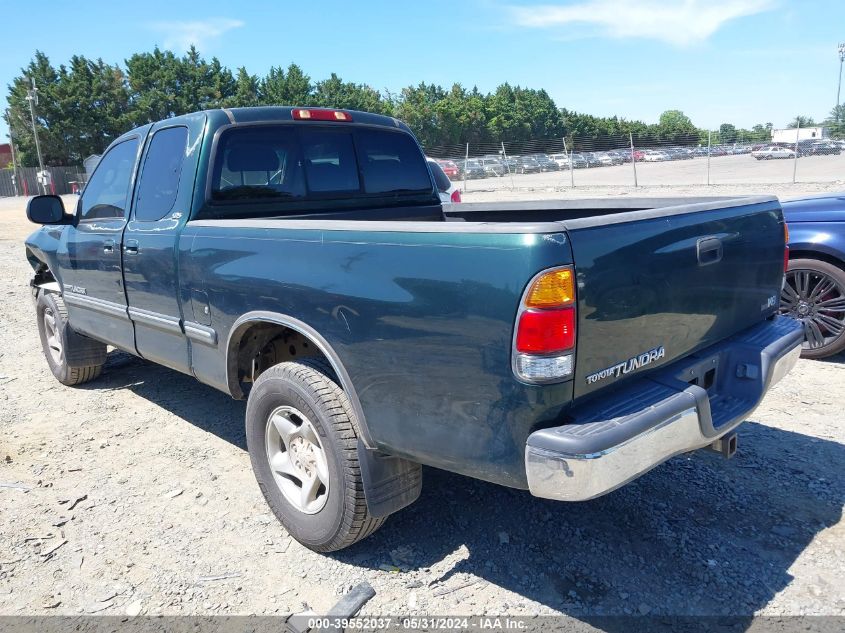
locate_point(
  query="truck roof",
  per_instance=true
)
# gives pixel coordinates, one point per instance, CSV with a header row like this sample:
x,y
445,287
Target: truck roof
x,y
265,114
283,113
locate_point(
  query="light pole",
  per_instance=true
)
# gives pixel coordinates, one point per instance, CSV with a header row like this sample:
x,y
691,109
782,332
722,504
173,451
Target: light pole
x,y
32,97
12,146
839,87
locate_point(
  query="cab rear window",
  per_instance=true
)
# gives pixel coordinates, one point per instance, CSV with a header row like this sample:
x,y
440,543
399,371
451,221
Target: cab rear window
x,y
302,163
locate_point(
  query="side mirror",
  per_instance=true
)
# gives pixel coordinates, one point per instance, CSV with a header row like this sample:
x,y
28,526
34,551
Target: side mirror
x,y
46,210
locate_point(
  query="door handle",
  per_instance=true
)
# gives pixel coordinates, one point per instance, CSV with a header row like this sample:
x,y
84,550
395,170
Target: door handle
x,y
130,247
108,246
709,250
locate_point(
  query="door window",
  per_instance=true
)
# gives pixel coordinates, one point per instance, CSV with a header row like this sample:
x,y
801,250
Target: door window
x,y
107,193
160,175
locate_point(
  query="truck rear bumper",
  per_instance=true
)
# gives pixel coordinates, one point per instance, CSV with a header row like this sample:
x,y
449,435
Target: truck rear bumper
x,y
680,408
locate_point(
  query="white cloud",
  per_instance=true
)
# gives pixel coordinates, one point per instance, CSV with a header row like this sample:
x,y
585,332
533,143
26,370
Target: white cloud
x,y
678,22
201,33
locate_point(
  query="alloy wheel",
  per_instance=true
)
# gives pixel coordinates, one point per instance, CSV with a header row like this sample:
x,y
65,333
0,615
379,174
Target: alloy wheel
x,y
818,302
54,337
297,459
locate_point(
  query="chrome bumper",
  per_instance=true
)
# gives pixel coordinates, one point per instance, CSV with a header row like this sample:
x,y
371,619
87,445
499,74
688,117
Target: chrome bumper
x,y
653,419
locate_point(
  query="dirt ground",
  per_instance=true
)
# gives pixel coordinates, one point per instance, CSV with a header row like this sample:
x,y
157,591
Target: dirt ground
x,y
134,494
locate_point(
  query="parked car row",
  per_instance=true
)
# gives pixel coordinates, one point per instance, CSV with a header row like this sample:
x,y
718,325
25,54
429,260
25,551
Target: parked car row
x,y
498,166
495,165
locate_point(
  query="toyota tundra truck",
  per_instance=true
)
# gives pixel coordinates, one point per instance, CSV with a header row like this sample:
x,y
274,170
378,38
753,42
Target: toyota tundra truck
x,y
300,259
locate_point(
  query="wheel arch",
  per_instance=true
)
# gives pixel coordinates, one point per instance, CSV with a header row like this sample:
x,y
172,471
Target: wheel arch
x,y
246,322
799,252
43,276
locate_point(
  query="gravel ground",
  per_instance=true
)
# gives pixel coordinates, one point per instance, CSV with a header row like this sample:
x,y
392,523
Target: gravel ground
x,y
134,494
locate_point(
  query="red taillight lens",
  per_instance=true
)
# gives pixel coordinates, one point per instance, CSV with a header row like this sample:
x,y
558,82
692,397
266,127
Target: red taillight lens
x,y
546,331
313,114
456,195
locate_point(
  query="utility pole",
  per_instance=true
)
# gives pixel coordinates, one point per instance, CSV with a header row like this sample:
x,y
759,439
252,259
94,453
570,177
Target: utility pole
x,y
12,146
839,87
32,97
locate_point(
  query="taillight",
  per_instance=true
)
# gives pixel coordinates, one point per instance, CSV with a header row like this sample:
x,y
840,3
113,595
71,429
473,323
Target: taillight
x,y
318,114
546,331
544,337
456,195
785,247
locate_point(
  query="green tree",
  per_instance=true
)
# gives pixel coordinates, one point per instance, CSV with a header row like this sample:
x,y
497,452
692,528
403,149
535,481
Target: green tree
x,y
286,88
801,121
761,133
94,101
418,107
836,121
46,78
517,114
162,86
154,86
727,133
202,85
675,127
246,90
81,108
336,93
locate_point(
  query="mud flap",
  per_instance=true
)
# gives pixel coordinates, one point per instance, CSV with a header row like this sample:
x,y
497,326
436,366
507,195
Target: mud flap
x,y
81,351
390,483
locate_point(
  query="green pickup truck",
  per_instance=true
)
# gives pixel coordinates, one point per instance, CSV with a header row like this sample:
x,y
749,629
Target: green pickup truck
x,y
301,259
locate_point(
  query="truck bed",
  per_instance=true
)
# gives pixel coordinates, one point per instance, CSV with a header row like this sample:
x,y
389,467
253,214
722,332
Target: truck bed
x,y
579,213
576,213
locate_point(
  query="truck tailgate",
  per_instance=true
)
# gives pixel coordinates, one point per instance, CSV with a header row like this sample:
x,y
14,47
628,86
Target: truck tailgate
x,y
653,287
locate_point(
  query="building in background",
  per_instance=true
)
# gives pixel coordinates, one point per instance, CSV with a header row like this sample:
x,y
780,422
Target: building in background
x,y
788,135
5,155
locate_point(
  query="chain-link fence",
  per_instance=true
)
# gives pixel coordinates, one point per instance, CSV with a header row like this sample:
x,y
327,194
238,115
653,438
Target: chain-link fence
x,y
631,161
24,181
558,163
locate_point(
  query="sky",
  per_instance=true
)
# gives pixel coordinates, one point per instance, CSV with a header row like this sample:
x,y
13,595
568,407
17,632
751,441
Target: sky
x,y
719,61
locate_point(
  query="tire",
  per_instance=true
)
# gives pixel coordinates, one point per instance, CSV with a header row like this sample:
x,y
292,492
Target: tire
x,y
57,339
823,316
304,396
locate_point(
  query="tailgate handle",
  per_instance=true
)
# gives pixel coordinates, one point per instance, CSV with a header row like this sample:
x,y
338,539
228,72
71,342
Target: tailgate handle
x,y
709,250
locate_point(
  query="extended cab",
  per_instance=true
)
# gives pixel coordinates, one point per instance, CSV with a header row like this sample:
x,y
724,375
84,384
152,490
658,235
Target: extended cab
x,y
300,259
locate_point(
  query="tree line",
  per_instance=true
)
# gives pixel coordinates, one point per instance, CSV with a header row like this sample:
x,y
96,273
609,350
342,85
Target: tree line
x,y
85,104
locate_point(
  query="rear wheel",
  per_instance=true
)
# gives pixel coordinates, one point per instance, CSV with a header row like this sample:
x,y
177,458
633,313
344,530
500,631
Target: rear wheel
x,y
814,294
54,331
302,438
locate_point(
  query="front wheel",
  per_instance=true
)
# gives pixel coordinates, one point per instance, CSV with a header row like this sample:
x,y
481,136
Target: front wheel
x,y
302,437
814,293
60,342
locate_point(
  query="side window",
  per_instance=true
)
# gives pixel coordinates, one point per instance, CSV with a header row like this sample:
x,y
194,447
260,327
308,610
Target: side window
x,y
160,174
106,194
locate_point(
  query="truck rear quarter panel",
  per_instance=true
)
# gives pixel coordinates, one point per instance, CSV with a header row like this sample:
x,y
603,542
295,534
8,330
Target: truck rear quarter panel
x,y
422,321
